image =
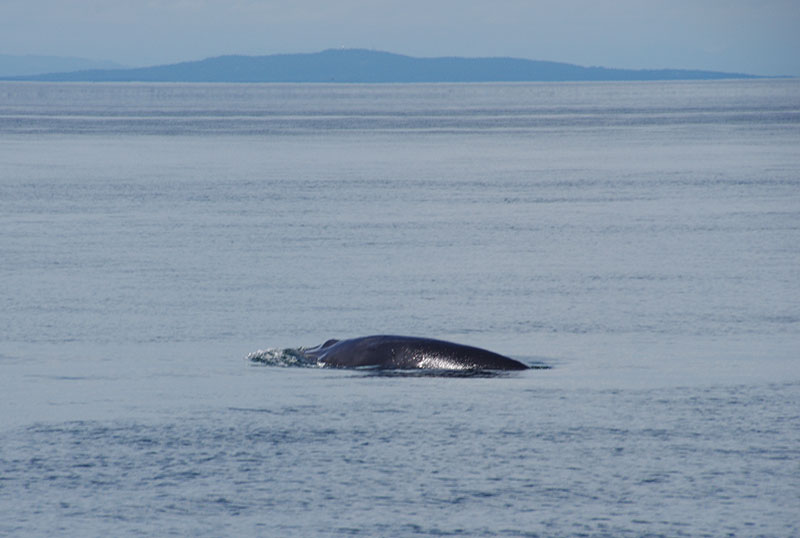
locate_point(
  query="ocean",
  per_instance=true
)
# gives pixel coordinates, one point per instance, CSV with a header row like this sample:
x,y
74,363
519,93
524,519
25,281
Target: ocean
x,y
640,239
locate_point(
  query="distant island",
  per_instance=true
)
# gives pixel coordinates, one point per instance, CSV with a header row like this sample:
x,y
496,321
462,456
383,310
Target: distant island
x,y
32,65
368,66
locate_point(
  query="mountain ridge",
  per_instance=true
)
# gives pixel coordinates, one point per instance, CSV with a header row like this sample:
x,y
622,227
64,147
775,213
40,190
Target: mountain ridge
x,y
369,66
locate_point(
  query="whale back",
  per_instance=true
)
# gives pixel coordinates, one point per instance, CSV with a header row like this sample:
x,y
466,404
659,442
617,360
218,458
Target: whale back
x,y
408,352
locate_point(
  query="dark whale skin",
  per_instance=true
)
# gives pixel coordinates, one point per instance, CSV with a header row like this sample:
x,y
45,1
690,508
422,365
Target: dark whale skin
x,y
407,352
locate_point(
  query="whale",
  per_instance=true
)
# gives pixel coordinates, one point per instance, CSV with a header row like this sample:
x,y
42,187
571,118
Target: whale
x,y
392,352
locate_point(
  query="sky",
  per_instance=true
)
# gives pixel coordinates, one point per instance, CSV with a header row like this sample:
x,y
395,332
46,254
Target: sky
x,y
759,37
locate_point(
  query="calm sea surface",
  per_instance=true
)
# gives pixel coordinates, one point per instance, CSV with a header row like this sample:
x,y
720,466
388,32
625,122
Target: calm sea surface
x,y
641,239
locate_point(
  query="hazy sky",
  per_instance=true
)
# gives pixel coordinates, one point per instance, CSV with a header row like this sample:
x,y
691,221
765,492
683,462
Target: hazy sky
x,y
752,36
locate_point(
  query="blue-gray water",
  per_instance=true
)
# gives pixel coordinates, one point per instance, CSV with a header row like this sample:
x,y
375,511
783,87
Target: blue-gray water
x,y
642,239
